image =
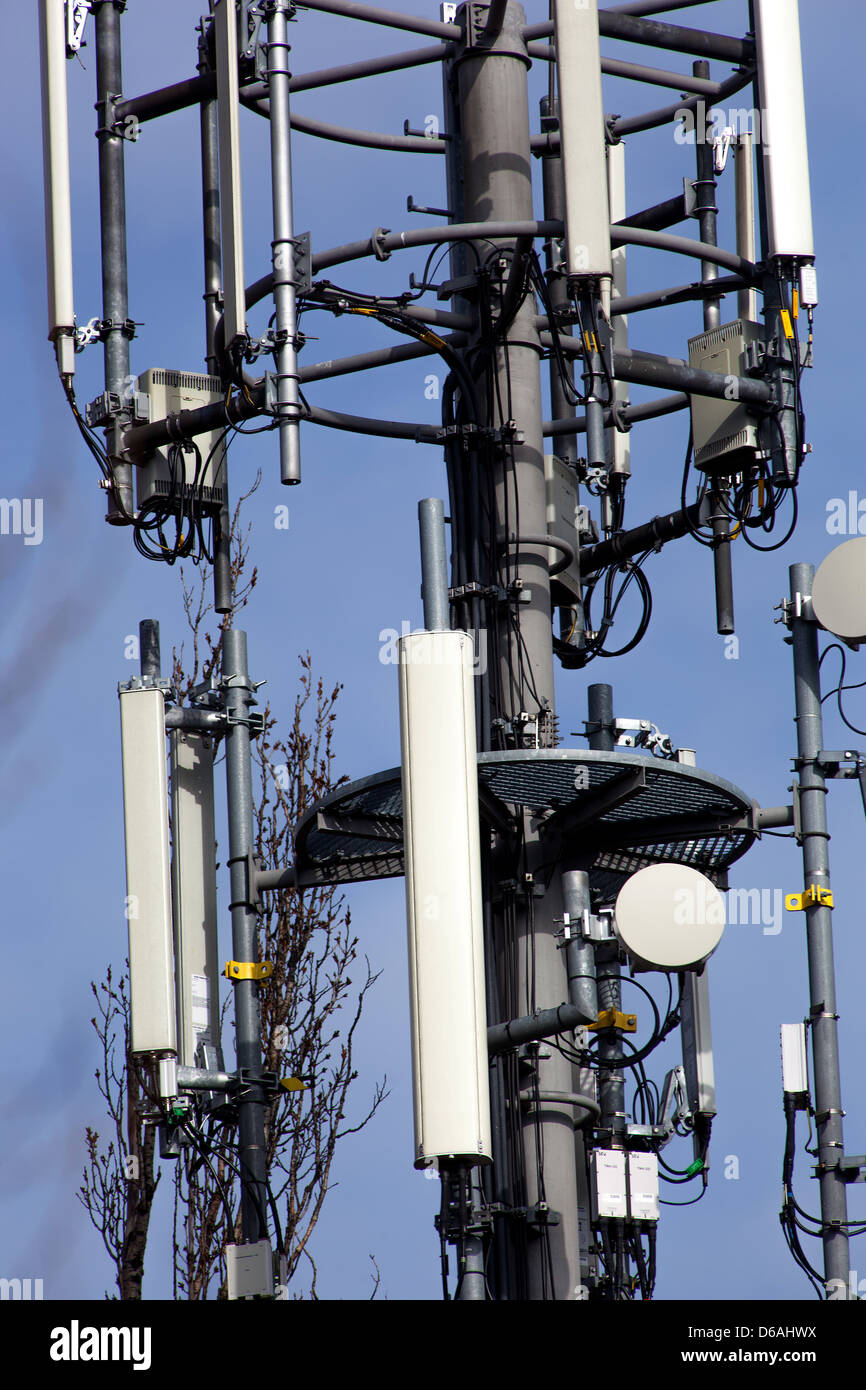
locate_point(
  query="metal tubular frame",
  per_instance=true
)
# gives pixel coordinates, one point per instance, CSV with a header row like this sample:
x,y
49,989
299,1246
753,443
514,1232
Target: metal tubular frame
x,y
490,204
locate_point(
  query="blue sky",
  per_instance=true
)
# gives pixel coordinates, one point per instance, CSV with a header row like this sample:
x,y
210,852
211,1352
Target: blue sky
x,y
346,569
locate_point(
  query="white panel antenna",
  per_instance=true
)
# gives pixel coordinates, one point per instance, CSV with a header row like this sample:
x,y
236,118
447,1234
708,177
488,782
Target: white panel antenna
x,y
620,440
58,215
148,874
231,207
783,133
697,1041
194,894
582,133
443,897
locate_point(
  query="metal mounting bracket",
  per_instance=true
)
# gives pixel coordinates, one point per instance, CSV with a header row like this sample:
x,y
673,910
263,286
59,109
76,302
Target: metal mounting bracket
x,y
814,895
248,970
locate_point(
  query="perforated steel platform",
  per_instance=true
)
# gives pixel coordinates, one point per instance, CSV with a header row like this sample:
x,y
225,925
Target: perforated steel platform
x,y
611,813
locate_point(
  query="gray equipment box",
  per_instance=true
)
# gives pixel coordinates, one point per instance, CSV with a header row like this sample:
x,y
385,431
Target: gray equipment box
x,y
203,479
725,432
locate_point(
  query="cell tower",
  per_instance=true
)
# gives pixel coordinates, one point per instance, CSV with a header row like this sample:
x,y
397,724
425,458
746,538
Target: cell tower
x,y
544,882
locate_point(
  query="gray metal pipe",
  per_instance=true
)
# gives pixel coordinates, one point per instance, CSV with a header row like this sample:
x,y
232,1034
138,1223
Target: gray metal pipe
x,y
212,239
579,953
645,410
473,231
637,72
645,7
544,1023
652,533
199,720
434,565
705,190
148,648
198,1079
620,24
239,789
370,67
819,929
116,330
601,736
288,404
649,120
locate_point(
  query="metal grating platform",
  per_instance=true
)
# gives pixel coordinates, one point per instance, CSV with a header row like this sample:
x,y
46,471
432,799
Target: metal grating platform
x,y
611,813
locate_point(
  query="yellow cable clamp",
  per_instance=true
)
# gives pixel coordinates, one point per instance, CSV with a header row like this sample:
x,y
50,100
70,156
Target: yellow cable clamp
x,y
814,894
612,1018
248,970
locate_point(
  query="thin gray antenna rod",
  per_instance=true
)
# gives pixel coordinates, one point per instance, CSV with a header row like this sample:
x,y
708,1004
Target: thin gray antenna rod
x,y
116,326
288,408
434,570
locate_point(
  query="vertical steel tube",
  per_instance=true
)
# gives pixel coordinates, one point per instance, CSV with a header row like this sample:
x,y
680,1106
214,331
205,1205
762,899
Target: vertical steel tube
x,y
116,331
148,648
285,354
611,1091
434,569
705,190
490,92
579,953
251,1102
819,930
210,193
473,1283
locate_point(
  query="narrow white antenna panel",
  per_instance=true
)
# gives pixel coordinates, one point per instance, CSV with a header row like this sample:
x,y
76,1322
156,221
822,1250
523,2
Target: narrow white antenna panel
x,y
194,893
58,215
231,206
582,135
148,875
620,441
783,128
697,1041
443,898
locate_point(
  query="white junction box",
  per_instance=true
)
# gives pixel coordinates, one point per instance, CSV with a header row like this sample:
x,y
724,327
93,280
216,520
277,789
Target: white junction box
x,y
795,1074
250,1270
148,874
201,475
643,1186
725,432
608,1189
562,506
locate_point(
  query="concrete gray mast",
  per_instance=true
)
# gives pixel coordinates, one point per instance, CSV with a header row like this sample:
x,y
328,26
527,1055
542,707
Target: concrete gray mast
x,y
491,94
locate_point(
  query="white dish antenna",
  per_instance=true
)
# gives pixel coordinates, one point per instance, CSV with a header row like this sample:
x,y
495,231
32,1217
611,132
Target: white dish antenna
x,y
669,917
